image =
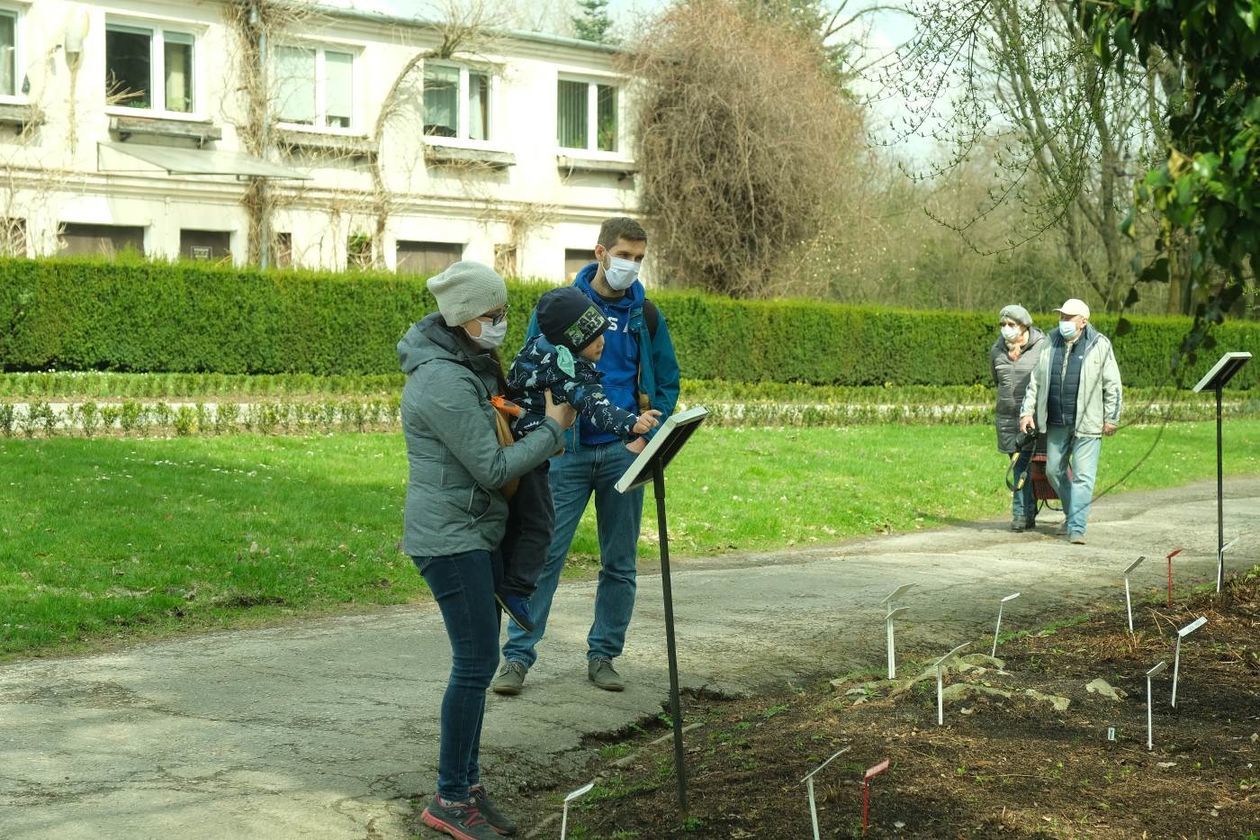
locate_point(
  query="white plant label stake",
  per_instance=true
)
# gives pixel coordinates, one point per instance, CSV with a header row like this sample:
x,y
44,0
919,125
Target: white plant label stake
x,y
809,786
1128,603
889,615
998,627
1220,563
892,648
1158,669
564,820
940,683
1181,634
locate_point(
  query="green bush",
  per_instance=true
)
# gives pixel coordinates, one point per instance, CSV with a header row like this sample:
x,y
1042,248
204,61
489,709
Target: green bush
x,y
85,315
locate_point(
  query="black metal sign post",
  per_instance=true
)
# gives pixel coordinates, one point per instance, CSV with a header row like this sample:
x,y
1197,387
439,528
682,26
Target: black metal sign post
x,y
1216,378
650,466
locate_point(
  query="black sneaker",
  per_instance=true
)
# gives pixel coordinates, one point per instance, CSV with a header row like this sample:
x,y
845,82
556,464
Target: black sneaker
x,y
517,607
461,820
498,820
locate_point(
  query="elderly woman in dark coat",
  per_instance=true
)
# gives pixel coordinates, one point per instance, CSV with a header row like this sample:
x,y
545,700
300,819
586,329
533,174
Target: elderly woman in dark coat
x,y
1012,358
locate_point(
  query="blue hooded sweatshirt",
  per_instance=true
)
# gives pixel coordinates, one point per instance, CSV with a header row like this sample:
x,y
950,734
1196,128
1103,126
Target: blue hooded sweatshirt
x,y
626,371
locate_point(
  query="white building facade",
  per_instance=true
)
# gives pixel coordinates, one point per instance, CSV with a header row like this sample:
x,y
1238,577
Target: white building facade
x,y
320,138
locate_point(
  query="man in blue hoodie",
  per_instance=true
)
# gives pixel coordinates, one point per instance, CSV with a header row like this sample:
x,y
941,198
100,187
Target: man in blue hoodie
x,y
640,371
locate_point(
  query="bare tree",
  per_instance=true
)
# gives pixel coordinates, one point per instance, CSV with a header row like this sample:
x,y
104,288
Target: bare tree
x,y
745,143
1020,82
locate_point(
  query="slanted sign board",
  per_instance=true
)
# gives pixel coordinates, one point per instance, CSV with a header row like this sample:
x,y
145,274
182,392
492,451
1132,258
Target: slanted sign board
x,y
662,448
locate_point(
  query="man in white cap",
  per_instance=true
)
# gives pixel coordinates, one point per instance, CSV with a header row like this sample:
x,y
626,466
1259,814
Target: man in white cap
x,y
1074,399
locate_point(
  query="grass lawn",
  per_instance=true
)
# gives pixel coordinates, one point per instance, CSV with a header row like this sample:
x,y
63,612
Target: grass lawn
x,y
121,538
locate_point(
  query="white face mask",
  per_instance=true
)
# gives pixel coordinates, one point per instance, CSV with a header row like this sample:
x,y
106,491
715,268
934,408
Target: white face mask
x,y
1067,329
620,274
492,335
1010,333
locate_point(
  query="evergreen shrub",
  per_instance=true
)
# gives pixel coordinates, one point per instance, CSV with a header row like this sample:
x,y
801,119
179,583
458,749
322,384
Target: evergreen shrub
x,y
78,314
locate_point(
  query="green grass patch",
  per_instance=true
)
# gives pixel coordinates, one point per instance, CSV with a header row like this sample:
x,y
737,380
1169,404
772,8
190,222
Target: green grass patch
x,y
125,538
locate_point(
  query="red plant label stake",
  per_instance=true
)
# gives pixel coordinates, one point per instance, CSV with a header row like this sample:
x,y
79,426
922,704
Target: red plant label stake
x,y
1170,556
866,792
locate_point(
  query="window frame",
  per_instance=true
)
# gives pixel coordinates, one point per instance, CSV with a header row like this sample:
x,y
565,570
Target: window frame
x,y
320,124
593,84
158,31
462,121
18,13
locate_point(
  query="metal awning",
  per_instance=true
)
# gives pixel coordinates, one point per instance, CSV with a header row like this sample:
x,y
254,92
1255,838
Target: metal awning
x,y
131,157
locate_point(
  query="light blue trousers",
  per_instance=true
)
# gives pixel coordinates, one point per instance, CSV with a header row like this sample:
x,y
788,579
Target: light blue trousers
x,y
1063,449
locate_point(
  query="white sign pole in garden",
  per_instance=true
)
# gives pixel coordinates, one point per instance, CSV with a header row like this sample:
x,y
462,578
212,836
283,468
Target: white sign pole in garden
x,y
564,820
1128,602
892,648
1220,563
809,786
998,626
889,615
1181,634
940,683
1160,668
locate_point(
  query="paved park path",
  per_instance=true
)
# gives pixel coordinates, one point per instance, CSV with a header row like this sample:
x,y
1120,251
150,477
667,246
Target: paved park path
x,y
323,729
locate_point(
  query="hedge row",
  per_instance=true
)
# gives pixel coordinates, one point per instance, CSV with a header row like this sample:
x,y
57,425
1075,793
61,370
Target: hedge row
x,y
148,317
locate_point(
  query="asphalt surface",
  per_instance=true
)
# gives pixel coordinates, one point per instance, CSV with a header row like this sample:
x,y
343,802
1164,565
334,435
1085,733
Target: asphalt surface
x,y
323,729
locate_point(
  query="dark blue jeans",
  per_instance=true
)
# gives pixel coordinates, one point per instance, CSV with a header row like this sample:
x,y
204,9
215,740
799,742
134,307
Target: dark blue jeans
x,y
575,476
463,586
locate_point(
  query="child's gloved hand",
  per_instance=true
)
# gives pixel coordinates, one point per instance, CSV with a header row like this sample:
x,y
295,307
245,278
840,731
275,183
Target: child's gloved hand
x,y
648,421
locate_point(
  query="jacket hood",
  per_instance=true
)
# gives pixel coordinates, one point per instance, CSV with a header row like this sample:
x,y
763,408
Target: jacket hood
x,y
427,340
633,297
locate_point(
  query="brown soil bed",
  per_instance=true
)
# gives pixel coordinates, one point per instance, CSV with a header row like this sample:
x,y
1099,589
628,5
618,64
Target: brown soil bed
x,y
999,767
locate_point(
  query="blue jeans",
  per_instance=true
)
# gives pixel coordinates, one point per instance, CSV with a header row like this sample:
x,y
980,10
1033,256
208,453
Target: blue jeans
x,y
463,586
574,477
1076,493
1023,504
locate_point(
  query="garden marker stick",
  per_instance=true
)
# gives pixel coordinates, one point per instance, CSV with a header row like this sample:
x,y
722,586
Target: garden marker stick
x,y
866,793
1181,634
892,649
998,626
809,787
1128,603
564,820
1220,562
940,683
1170,556
1162,666
890,614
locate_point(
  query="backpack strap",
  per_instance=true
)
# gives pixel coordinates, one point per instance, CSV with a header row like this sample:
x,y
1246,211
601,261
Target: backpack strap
x,y
651,317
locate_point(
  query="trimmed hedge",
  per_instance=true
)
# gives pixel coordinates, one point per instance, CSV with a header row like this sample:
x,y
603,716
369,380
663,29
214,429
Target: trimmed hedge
x,y
149,317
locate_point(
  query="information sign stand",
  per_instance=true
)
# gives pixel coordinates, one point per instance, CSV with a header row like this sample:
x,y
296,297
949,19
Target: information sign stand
x,y
1216,379
650,466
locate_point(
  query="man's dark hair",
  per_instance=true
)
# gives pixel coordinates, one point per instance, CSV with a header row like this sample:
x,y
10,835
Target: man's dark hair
x,y
621,227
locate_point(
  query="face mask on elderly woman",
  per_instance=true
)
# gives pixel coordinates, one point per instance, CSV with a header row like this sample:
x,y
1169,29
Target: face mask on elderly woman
x,y
492,334
1010,332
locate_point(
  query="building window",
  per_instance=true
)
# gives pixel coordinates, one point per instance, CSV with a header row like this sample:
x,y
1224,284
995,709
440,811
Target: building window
x,y
586,116
314,86
100,240
575,259
282,251
8,53
505,260
359,251
456,102
12,237
150,69
427,257
205,245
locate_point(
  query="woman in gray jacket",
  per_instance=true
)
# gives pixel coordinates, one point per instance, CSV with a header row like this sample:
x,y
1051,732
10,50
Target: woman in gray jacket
x,y
1012,358
455,514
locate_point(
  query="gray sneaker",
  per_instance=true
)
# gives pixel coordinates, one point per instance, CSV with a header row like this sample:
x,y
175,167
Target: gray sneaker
x,y
1061,531
1076,538
602,673
510,678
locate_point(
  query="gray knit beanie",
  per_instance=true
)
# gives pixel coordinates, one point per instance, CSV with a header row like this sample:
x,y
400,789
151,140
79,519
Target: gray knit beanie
x,y
1016,313
467,289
